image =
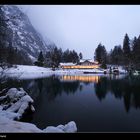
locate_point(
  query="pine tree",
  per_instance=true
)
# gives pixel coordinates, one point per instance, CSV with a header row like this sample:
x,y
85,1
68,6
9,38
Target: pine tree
x,y
117,55
41,57
136,52
100,54
40,61
10,56
134,49
56,57
80,56
126,49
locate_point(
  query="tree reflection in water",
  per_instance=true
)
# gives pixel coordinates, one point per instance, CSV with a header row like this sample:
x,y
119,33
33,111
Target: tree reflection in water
x,y
53,87
101,88
126,88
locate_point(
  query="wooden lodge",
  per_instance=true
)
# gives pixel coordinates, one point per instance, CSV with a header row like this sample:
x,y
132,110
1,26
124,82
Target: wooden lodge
x,y
83,64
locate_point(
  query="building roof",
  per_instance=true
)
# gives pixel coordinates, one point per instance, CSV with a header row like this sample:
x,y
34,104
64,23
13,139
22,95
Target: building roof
x,y
67,64
90,60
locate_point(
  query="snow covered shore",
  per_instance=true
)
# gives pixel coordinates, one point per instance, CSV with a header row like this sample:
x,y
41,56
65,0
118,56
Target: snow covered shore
x,y
11,126
13,105
29,72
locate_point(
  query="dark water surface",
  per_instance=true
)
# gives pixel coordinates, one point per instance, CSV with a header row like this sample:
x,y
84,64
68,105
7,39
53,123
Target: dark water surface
x,y
95,103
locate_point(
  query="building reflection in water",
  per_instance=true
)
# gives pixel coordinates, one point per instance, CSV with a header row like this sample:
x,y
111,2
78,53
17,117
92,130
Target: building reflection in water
x,y
83,78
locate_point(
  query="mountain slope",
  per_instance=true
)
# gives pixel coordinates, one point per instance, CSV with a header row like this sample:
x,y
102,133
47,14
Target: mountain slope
x,y
22,34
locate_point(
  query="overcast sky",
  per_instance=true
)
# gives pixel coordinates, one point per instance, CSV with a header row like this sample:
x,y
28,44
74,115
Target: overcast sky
x,y
83,27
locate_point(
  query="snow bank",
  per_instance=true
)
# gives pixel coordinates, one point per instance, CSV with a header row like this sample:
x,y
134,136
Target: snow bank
x,y
10,126
68,128
9,115
13,108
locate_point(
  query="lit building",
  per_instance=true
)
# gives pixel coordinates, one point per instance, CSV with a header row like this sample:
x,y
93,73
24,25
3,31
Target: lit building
x,y
83,64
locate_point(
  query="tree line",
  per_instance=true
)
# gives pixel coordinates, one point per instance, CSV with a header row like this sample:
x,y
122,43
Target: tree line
x,y
11,55
128,54
55,55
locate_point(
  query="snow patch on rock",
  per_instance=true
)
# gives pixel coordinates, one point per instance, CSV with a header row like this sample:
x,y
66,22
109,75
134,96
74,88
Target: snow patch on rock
x,y
15,104
13,110
21,105
13,93
9,126
68,128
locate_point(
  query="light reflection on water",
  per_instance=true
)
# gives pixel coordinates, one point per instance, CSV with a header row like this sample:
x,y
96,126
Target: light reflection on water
x,y
92,78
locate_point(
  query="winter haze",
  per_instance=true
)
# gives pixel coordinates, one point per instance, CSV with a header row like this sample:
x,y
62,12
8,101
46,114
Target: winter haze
x,y
83,27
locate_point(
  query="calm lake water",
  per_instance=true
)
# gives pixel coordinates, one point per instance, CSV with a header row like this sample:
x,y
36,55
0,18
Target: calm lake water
x,y
95,103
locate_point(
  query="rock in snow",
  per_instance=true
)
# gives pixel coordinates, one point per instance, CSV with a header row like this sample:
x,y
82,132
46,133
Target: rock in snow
x,y
21,105
19,102
68,128
13,93
9,115
52,129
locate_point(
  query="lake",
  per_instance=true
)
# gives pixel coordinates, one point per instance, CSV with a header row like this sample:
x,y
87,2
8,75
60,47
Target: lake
x,y
96,103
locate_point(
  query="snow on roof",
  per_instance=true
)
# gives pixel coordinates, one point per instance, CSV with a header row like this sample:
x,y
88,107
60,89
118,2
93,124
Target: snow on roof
x,y
82,60
67,64
90,60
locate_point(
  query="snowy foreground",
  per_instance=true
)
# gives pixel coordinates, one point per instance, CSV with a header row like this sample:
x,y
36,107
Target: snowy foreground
x,y
13,105
11,126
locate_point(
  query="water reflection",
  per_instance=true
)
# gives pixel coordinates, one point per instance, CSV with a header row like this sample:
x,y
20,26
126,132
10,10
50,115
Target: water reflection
x,y
101,88
53,87
83,78
125,89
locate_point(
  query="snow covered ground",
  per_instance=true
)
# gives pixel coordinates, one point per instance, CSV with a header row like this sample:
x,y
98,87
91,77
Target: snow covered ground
x,y
11,126
33,72
29,72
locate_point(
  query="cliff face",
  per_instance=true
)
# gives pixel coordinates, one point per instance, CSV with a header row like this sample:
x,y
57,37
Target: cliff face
x,y
19,33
